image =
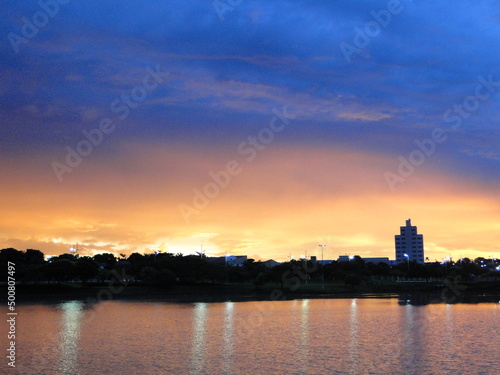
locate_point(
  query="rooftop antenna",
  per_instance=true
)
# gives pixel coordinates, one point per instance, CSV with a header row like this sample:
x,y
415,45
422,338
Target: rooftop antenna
x,y
201,252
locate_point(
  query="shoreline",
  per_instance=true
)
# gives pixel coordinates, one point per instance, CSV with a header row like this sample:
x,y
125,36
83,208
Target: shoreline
x,y
416,293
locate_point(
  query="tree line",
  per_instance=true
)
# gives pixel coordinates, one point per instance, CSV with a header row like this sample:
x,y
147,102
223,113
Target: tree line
x,y
170,269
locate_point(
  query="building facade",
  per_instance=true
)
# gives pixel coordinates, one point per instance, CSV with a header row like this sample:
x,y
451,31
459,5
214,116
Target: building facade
x,y
409,244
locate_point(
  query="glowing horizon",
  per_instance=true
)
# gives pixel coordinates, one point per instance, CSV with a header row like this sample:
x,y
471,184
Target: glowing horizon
x,y
338,209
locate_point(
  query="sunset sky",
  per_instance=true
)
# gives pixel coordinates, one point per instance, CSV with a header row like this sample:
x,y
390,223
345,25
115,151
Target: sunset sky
x,y
333,122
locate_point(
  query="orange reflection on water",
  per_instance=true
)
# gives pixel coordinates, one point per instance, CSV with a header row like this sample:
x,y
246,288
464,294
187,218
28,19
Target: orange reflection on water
x,y
323,336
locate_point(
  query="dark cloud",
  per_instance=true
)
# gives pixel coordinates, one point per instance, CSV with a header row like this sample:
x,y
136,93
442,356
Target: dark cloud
x,y
225,77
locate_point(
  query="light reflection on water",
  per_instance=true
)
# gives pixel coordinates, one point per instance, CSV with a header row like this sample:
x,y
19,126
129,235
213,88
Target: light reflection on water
x,y
410,334
449,322
228,347
338,336
304,335
72,314
353,336
197,363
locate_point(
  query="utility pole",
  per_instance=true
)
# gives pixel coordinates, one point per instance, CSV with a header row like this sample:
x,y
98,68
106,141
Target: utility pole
x,y
322,268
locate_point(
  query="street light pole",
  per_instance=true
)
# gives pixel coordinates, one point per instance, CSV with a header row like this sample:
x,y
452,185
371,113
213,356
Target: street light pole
x,y
408,261
322,268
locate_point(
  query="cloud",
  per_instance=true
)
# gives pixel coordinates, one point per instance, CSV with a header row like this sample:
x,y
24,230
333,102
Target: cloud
x,y
282,201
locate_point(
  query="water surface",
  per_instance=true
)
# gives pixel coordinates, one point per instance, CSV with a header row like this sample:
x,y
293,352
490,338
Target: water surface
x,y
324,336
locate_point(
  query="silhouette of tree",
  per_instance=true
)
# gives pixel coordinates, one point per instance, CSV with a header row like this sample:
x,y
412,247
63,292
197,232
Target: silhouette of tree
x,y
149,275
11,255
107,260
379,269
60,270
86,268
352,280
136,258
69,257
33,256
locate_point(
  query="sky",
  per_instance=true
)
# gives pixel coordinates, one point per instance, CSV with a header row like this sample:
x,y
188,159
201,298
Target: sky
x,y
247,127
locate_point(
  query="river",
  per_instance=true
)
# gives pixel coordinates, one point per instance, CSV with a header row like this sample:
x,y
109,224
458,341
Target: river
x,y
316,336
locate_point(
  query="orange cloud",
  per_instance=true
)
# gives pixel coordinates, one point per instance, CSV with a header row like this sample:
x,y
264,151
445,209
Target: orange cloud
x,y
286,201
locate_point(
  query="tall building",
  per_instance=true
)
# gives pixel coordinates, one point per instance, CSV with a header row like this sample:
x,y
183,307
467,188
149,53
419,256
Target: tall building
x,y
409,244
